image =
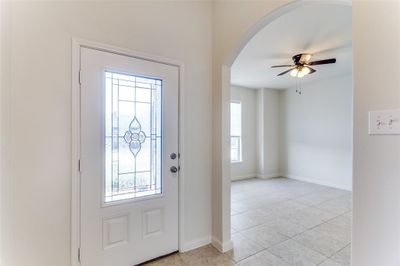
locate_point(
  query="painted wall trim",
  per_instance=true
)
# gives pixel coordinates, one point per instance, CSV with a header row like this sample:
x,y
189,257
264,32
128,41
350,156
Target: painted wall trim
x,y
242,177
196,243
221,247
315,181
6,180
77,44
268,176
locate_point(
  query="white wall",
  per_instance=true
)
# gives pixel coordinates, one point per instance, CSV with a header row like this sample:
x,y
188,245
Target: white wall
x,y
41,44
247,167
316,132
268,133
376,197
231,20
40,112
308,136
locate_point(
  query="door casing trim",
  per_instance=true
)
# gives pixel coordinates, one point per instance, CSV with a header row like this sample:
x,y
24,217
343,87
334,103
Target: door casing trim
x,y
77,44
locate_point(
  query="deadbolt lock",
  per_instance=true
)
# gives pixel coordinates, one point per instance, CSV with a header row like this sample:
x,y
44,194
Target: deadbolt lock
x,y
173,169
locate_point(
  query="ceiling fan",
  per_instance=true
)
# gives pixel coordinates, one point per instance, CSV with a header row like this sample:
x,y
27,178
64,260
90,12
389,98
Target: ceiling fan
x,y
301,66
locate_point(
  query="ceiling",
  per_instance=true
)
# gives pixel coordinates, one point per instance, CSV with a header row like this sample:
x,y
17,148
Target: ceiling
x,y
321,30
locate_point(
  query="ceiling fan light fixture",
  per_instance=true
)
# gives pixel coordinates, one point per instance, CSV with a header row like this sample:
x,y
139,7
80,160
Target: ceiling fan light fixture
x,y
301,65
299,72
294,72
305,70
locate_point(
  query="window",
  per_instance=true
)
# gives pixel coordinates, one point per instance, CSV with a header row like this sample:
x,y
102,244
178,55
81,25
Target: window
x,y
236,132
133,136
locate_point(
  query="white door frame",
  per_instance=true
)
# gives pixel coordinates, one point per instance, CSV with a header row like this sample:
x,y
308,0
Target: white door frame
x,y
77,44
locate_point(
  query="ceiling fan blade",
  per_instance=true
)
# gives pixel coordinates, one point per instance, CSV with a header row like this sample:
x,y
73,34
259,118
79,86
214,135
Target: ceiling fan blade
x,y
282,66
312,70
284,72
322,62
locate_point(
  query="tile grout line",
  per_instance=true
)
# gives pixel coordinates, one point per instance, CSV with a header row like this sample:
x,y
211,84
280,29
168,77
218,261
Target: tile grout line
x,y
289,199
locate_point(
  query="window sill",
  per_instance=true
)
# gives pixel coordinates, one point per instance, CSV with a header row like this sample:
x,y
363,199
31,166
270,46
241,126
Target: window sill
x,y
236,162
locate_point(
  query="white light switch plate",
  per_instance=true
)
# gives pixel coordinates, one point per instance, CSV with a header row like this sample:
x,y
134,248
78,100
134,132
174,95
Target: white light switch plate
x,y
385,122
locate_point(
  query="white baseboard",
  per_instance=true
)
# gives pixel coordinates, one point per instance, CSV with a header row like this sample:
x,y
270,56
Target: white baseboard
x,y
222,247
266,176
242,177
316,181
195,243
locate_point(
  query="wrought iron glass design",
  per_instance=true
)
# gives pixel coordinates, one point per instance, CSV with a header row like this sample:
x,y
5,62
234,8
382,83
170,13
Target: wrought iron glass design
x,y
133,136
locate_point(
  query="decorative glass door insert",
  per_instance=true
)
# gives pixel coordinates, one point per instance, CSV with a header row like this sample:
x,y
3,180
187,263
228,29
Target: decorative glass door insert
x,y
133,136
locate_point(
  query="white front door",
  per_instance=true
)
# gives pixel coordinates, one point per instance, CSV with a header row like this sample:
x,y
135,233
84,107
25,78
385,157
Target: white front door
x,y
129,159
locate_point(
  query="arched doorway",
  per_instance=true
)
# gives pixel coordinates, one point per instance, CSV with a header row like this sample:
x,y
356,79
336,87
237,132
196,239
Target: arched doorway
x,y
224,168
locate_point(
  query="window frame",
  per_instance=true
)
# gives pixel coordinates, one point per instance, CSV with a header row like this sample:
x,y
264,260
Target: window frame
x,y
240,146
133,195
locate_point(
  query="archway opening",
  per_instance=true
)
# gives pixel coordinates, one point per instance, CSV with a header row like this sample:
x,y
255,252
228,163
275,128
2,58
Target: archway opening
x,y
340,49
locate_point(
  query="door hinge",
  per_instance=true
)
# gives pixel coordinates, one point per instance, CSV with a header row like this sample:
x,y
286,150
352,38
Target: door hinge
x,y
80,76
79,165
79,255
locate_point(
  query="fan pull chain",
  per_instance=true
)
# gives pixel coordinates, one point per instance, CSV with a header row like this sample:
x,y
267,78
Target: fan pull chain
x,y
298,86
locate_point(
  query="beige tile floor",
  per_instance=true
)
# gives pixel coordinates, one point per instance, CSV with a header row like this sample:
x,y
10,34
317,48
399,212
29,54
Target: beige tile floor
x,y
281,221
